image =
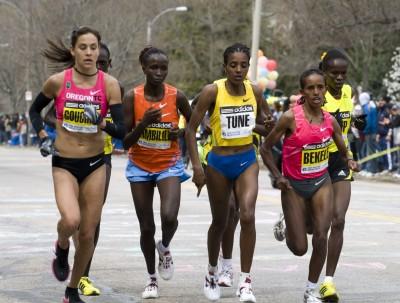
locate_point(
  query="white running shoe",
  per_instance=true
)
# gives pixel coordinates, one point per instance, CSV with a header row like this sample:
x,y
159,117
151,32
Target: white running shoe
x,y
310,297
211,288
245,291
225,277
165,264
280,228
151,289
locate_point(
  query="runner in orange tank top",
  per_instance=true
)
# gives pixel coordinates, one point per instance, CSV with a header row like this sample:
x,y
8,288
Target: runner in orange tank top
x,y
151,116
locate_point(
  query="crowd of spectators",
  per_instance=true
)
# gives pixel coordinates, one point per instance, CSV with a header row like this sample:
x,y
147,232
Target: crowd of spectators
x,y
14,130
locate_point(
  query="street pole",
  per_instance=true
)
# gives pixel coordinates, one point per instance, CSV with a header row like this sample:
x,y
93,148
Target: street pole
x,y
151,22
255,40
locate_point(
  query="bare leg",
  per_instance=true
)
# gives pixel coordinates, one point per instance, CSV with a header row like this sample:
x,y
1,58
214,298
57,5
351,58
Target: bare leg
x,y
321,214
219,189
142,193
342,193
246,189
91,204
170,195
229,233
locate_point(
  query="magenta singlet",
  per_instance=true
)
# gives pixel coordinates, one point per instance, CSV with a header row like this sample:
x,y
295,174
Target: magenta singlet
x,y
305,152
71,101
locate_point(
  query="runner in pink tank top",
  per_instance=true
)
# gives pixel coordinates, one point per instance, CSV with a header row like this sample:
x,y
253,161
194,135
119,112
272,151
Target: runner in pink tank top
x,y
82,96
305,152
306,186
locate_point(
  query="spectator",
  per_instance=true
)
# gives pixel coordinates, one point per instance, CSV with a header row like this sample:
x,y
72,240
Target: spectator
x,y
395,127
383,137
22,129
368,146
3,135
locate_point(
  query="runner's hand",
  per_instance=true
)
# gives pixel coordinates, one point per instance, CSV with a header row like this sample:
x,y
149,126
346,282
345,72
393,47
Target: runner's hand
x,y
269,123
152,115
353,165
91,114
283,184
199,179
46,147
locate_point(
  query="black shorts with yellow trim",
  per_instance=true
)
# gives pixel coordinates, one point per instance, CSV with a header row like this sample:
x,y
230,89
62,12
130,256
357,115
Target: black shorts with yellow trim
x,y
338,169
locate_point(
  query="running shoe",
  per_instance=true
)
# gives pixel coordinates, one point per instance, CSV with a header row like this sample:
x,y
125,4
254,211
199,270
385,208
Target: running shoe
x,y
328,292
72,296
310,297
86,287
165,264
225,276
60,264
245,291
211,287
151,289
280,228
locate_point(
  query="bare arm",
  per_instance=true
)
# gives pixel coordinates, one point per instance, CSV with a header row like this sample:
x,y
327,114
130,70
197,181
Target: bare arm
x,y
206,98
264,119
285,124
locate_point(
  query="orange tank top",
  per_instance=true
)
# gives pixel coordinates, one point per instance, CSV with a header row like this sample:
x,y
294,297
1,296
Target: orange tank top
x,y
154,152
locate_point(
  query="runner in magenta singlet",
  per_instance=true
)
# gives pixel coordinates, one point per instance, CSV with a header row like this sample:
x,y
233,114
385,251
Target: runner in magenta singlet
x,y
305,183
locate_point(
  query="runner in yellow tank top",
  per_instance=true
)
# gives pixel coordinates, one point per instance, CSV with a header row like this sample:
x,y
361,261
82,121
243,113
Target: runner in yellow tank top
x,y
234,108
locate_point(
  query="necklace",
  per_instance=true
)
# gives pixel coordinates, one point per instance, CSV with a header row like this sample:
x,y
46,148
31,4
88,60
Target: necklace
x,y
84,74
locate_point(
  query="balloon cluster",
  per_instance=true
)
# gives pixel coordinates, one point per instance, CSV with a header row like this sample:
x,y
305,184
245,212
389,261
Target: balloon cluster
x,y
266,72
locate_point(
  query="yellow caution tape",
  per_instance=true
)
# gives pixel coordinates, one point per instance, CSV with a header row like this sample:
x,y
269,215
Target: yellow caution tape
x,y
378,154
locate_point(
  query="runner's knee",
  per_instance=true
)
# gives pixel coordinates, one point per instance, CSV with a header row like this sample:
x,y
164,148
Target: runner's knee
x,y
338,224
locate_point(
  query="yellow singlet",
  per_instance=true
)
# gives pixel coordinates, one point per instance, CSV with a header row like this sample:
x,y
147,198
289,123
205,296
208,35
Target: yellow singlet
x,y
234,117
345,107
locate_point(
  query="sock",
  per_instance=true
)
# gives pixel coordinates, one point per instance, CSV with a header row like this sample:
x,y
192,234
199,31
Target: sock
x,y
212,270
243,276
328,279
226,263
162,248
311,285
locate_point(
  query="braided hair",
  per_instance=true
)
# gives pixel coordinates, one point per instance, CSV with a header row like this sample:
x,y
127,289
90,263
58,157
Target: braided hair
x,y
147,52
236,48
330,55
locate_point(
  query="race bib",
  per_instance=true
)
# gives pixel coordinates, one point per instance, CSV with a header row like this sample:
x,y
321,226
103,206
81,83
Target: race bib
x,y
237,121
75,121
314,157
156,136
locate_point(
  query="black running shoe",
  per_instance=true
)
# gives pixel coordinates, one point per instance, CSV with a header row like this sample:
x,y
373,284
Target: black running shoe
x,y
60,264
72,296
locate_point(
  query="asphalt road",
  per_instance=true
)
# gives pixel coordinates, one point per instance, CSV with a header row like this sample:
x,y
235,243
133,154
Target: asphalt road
x,y
369,268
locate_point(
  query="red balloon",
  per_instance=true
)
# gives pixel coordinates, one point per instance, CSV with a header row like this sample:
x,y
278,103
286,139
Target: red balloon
x,y
272,64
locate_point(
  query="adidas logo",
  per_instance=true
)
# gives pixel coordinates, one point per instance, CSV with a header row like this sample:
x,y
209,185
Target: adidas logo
x,y
323,290
341,173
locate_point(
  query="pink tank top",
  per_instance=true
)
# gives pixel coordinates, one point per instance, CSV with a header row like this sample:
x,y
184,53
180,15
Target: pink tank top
x,y
71,101
305,152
